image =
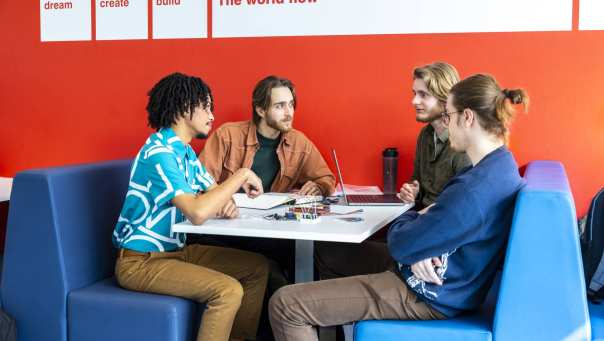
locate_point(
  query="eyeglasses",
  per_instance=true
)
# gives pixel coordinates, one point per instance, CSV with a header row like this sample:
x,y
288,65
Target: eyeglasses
x,y
446,116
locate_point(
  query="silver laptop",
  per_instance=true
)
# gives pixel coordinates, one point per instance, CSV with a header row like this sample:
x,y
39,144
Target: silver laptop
x,y
365,199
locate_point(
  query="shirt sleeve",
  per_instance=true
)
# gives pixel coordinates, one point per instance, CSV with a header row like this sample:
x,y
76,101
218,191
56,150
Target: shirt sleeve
x,y
315,169
449,224
167,178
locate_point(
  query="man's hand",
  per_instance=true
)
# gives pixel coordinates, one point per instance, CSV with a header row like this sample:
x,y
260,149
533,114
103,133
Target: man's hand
x,y
310,188
425,270
229,210
409,191
252,185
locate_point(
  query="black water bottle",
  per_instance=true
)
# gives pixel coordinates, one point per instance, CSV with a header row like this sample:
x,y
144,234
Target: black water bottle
x,y
390,156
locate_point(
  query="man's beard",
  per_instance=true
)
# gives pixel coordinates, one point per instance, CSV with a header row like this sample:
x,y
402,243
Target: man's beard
x,y
201,136
276,125
431,118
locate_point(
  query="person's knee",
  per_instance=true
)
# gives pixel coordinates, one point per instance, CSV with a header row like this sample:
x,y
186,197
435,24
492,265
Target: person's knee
x,y
234,290
229,292
275,304
278,302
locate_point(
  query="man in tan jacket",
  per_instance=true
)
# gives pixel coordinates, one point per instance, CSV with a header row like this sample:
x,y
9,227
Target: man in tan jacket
x,y
283,158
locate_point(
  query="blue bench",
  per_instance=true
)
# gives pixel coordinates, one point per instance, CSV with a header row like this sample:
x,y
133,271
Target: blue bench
x,y
542,290
58,265
596,315
58,269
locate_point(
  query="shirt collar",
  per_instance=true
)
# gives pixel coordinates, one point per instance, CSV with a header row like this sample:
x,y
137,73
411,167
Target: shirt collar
x,y
444,136
169,138
252,139
286,137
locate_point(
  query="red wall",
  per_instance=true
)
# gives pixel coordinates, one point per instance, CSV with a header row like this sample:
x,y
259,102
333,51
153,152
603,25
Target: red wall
x,y
74,102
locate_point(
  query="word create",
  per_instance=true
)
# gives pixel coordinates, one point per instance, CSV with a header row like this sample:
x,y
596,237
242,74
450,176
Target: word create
x,y
114,3
58,5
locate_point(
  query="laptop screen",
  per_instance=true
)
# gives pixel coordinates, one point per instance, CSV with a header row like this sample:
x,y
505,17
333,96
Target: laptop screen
x,y
335,158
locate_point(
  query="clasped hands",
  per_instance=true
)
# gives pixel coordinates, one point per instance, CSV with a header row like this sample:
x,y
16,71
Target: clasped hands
x,y
409,191
426,270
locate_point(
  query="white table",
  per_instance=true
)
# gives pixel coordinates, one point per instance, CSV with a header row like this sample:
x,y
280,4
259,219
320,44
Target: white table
x,y
252,224
6,184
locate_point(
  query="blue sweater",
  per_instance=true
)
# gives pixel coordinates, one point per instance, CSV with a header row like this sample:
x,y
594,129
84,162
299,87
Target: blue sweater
x,y
467,228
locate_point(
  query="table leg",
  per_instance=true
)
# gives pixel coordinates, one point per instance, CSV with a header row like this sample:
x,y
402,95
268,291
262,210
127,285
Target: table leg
x,y
304,261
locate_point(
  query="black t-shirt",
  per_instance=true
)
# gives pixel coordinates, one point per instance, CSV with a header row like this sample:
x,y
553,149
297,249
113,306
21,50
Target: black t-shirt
x,y
266,164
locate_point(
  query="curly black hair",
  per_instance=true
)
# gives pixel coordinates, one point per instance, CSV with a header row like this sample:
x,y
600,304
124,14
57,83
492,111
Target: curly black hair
x,y
174,96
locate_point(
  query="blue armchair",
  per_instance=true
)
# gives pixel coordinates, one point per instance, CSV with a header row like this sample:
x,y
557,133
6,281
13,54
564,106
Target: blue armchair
x,y
542,290
58,265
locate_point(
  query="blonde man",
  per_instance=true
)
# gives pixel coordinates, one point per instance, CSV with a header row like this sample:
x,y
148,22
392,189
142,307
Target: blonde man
x,y
435,164
435,161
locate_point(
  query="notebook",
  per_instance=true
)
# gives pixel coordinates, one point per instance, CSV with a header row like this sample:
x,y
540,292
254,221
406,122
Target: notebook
x,y
365,199
269,200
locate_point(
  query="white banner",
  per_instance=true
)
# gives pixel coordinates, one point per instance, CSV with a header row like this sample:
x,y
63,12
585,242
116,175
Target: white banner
x,y
180,19
591,15
258,18
65,20
121,19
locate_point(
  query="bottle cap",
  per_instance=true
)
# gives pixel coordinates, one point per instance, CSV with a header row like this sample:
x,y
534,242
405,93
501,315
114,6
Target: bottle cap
x,y
390,152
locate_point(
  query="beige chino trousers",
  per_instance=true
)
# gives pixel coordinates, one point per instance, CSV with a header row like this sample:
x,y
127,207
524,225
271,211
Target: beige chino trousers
x,y
230,282
294,310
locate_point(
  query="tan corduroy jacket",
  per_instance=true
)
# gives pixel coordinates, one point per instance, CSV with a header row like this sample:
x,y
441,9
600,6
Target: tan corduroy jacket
x,y
233,146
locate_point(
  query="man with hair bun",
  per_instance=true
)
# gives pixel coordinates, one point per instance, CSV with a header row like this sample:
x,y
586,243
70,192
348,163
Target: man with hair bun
x,y
447,254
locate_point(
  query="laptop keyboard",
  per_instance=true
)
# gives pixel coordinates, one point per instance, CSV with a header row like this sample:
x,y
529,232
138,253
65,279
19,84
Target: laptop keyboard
x,y
372,198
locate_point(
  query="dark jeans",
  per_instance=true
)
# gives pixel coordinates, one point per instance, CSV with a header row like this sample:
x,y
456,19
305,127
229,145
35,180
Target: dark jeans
x,y
337,260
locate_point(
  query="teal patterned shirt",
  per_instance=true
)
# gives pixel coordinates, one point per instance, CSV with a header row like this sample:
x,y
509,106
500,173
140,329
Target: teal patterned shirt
x,y
164,168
